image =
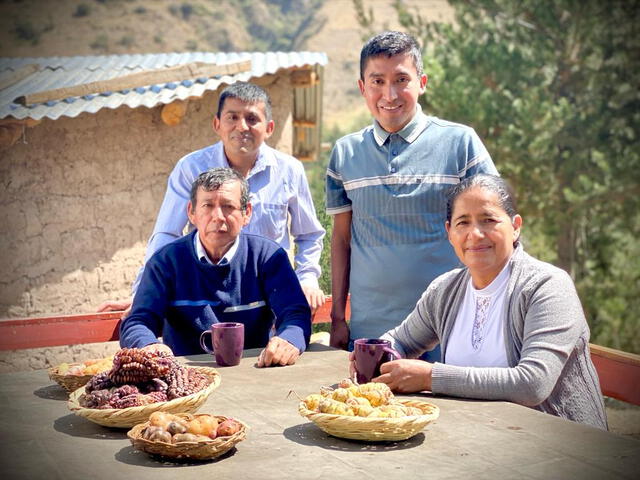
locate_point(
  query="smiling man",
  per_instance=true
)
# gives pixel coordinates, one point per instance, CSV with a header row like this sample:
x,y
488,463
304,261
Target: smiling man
x,y
218,274
386,189
277,183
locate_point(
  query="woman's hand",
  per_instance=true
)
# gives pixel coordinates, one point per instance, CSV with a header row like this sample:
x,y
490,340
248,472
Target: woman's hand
x,y
405,376
352,365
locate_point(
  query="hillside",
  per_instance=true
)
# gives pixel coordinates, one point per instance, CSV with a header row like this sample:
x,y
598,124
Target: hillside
x,y
35,28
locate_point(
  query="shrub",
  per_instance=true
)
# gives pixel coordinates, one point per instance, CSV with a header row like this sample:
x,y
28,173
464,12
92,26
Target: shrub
x,y
24,30
101,42
82,10
126,41
186,9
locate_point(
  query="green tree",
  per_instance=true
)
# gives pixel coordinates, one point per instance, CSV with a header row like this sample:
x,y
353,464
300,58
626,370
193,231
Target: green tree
x,y
552,88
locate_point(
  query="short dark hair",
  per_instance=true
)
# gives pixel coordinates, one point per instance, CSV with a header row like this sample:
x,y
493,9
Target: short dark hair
x,y
247,93
493,183
390,44
213,179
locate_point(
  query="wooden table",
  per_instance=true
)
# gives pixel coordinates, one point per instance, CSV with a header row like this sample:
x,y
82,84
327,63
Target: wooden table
x,y
40,438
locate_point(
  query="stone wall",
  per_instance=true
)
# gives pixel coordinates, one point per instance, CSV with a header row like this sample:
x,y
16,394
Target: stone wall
x,y
40,358
80,197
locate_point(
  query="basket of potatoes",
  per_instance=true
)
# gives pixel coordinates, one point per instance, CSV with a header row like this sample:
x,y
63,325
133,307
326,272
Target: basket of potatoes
x,y
72,376
187,436
368,412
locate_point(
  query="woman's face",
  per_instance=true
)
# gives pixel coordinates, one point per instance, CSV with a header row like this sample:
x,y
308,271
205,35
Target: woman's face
x,y
482,234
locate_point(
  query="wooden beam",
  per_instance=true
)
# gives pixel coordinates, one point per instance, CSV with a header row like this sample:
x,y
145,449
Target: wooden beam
x,y
9,134
12,78
304,78
11,130
173,113
304,123
59,330
149,77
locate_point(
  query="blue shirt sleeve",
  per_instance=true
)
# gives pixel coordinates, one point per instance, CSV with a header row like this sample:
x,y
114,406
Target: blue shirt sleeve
x,y
476,158
337,199
306,230
285,297
144,324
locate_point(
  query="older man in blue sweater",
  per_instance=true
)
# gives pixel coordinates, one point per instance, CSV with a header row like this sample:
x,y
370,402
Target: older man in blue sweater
x,y
217,274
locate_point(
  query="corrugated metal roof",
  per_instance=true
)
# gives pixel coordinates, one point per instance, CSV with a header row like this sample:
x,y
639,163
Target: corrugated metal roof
x,y
59,72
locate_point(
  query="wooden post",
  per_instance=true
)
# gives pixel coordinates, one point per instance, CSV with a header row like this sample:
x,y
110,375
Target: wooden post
x,y
304,78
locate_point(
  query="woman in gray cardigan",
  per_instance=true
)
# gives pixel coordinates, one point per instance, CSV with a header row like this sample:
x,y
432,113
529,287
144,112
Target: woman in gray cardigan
x,y
511,327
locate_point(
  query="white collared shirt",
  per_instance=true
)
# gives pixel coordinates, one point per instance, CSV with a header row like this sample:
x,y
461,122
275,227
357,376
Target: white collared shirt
x,y
204,257
279,191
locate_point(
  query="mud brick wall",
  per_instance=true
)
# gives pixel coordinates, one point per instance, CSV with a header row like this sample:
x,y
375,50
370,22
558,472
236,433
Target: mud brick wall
x,y
80,196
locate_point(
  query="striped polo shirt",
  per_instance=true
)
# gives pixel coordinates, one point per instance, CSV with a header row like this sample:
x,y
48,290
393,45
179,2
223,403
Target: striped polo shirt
x,y
395,186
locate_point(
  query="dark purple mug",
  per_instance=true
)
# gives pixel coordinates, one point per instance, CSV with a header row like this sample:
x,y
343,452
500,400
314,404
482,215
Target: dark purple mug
x,y
227,339
370,353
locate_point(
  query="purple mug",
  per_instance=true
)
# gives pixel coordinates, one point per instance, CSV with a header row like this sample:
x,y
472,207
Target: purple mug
x,y
227,339
370,353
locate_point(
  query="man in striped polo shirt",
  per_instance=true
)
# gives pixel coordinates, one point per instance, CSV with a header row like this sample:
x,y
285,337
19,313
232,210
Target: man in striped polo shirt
x,y
386,188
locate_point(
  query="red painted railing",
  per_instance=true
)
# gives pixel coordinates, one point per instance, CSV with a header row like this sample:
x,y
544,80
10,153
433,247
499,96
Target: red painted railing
x,y
619,371
17,334
21,333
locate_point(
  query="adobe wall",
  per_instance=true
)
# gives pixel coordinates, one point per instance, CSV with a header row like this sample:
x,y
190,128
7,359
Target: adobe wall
x,y
80,196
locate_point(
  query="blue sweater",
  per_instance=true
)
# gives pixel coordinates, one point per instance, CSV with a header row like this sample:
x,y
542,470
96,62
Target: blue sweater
x,y
179,297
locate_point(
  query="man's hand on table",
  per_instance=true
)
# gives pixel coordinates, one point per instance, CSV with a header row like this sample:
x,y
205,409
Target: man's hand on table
x,y
116,306
314,295
158,348
278,352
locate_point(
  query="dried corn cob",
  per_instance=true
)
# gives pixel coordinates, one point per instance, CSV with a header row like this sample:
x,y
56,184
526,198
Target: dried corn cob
x,y
342,394
360,406
326,391
391,411
313,401
377,393
328,405
134,365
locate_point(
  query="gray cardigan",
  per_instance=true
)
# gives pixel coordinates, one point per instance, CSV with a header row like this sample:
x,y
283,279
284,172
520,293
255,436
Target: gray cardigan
x,y
546,336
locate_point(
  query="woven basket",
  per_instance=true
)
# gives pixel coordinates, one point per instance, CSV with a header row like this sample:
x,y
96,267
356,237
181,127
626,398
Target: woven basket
x,y
69,382
128,417
374,429
203,450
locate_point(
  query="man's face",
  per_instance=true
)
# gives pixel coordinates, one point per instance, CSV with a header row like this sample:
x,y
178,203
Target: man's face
x,y
218,217
242,127
391,88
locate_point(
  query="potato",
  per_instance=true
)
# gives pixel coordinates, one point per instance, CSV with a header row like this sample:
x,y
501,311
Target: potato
x,y
175,427
185,437
203,425
228,427
161,419
156,434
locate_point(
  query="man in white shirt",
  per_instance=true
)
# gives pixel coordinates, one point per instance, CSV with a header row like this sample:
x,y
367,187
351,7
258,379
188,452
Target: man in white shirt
x,y
277,183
